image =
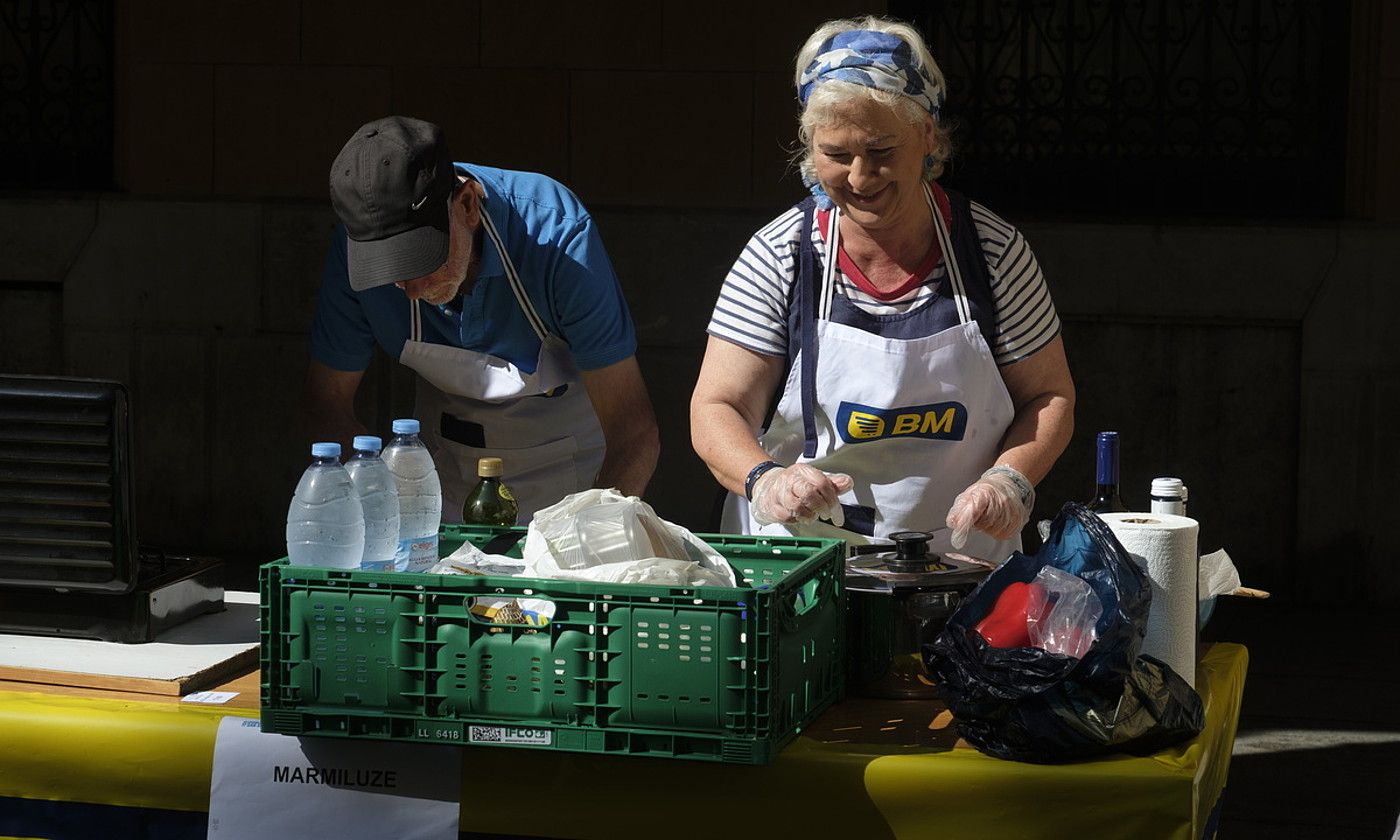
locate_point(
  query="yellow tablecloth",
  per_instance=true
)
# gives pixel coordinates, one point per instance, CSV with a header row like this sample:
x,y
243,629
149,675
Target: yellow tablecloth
x,y
864,770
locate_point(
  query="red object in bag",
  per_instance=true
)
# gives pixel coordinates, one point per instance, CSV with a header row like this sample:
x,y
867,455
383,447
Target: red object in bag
x,y
1006,626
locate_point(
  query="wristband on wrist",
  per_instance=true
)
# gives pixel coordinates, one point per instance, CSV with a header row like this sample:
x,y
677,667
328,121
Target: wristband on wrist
x,y
1023,484
758,470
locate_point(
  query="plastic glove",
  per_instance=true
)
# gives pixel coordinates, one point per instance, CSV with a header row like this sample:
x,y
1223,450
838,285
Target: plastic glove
x,y
999,503
799,493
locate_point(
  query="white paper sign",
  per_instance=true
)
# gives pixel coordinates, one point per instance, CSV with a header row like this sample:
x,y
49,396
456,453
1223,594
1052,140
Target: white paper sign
x,y
267,786
214,698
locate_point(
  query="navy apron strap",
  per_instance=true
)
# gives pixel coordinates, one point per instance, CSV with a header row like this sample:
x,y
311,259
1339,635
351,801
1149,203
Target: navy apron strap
x,y
859,519
976,276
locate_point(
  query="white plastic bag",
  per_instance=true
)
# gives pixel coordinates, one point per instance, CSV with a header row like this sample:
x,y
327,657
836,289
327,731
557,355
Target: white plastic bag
x,y
605,536
470,560
661,571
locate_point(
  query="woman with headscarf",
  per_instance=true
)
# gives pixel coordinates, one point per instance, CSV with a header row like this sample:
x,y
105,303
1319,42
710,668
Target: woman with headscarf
x,y
885,355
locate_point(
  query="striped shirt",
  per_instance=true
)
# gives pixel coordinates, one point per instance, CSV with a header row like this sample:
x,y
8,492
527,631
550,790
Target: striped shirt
x,y
753,304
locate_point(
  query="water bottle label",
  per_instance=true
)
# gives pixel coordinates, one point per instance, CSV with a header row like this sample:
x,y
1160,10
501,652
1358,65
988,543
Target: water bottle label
x,y
420,553
397,563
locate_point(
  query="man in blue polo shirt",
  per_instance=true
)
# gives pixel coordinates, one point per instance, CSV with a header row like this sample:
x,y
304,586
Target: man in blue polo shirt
x,y
493,286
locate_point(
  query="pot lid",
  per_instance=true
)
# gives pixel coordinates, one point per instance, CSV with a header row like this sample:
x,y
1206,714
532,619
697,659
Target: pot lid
x,y
910,566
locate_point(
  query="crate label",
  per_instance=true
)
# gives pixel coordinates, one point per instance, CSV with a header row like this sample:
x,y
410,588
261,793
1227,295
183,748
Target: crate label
x,y
510,735
436,730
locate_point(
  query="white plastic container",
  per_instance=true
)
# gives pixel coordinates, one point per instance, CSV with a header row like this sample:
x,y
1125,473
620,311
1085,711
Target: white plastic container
x,y
325,522
379,496
420,496
1169,496
609,533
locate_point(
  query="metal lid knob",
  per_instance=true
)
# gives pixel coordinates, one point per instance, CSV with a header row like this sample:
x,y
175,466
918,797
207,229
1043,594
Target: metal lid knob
x,y
911,547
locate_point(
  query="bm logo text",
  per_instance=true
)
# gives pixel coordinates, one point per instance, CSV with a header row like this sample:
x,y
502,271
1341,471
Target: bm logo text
x,y
858,423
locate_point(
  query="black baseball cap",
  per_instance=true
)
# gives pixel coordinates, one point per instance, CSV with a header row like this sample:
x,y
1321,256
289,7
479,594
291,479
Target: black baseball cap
x,y
390,186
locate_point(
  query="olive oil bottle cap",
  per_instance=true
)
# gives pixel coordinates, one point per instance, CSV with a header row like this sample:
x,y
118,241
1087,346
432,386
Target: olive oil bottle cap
x,y
488,467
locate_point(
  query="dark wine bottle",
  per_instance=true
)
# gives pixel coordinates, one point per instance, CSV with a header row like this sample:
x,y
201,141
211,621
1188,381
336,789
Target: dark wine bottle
x,y
490,503
1106,498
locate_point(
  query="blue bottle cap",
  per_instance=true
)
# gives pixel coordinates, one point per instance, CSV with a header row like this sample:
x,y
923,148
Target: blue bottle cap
x,y
406,427
368,443
325,450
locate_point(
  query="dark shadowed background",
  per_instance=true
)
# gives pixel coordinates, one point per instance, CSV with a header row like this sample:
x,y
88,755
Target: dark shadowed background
x,y
1212,189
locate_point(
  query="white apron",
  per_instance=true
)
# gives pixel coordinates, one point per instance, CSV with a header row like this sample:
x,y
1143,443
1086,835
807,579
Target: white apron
x,y
913,421
541,425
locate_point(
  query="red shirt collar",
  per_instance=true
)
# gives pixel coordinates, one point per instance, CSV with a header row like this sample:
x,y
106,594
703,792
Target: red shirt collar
x,y
848,267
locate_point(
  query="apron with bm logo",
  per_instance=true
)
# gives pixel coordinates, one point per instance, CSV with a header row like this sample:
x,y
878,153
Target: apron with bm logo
x,y
911,406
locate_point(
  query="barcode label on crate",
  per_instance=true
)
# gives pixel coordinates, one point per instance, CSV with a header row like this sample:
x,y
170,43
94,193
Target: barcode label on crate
x,y
509,735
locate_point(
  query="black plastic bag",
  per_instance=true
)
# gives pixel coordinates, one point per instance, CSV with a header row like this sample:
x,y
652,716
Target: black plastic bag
x,y
1026,704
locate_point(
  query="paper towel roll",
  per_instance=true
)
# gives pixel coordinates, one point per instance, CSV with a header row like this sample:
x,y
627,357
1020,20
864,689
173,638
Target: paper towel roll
x,y
1164,545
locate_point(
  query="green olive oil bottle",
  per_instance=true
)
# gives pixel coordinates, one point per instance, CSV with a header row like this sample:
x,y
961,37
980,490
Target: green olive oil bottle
x,y
491,502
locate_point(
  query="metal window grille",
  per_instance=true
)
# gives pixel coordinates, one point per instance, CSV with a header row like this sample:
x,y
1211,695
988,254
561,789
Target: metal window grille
x,y
56,115
1202,107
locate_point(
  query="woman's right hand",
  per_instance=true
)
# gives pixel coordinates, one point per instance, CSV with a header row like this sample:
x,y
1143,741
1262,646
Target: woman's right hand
x,y
799,493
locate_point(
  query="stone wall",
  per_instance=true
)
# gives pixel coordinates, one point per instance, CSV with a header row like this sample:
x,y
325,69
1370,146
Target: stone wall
x,y
636,104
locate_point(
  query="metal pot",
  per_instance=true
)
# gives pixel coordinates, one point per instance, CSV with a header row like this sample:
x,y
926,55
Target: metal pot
x,y
896,602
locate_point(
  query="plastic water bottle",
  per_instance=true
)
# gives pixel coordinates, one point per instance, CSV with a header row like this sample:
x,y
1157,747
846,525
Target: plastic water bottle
x,y
420,496
379,496
325,523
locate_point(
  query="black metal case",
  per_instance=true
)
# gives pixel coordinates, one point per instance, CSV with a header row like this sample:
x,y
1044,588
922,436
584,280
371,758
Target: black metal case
x,y
65,485
70,564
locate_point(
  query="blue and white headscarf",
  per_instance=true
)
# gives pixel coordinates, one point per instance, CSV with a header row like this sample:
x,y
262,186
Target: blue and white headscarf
x,y
871,59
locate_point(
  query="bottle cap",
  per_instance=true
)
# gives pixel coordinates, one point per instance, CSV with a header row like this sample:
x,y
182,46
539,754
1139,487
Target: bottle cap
x,y
325,450
407,426
1168,488
1108,437
489,467
368,443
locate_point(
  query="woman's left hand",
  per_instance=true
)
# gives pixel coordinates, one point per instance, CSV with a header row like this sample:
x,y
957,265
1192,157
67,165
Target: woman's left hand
x,y
999,503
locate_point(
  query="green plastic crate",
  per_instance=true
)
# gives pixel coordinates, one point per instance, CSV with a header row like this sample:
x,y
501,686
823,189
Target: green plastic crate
x,y
708,673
